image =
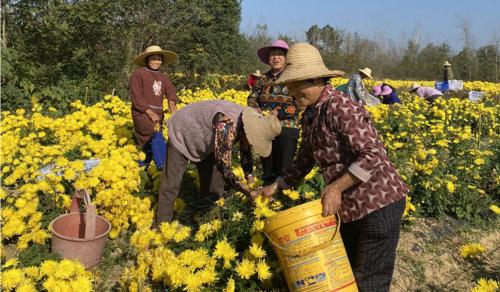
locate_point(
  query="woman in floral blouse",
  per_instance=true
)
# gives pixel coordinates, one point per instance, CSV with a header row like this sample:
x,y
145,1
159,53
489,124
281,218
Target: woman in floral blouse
x,y
277,100
362,184
355,87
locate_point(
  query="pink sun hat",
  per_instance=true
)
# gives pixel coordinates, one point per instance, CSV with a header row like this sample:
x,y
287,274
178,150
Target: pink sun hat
x,y
263,52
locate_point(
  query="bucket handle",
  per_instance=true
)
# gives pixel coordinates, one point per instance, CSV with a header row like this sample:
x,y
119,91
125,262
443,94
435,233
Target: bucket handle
x,y
90,214
310,250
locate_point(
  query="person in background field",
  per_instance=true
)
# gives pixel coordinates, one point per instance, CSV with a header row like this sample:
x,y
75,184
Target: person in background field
x,y
205,133
388,93
148,86
447,71
356,89
277,100
252,79
428,93
363,186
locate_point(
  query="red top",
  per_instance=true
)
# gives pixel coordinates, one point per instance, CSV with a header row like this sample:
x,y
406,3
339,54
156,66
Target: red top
x,y
251,81
338,135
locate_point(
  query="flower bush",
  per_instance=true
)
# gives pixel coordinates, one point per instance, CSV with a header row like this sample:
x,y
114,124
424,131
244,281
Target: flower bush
x,y
446,152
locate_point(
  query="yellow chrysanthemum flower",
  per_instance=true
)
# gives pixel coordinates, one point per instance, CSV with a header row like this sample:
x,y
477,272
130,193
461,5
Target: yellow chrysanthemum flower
x,y
486,285
223,250
231,285
257,251
245,269
263,271
471,250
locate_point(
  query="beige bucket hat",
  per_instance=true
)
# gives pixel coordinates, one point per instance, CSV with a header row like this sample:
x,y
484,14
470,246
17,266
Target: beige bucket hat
x,y
168,57
446,64
303,61
260,130
367,71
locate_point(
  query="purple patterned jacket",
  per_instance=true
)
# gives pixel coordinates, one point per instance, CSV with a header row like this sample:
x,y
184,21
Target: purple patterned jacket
x,y
338,135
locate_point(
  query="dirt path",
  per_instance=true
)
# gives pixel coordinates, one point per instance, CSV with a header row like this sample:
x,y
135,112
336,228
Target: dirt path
x,y
429,256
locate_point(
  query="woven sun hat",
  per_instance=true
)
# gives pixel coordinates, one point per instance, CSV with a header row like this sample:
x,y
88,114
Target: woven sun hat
x,y
263,52
446,64
414,86
168,57
260,130
304,62
256,73
367,71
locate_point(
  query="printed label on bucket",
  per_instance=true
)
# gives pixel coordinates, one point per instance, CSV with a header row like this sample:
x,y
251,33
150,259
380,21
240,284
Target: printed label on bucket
x,y
327,269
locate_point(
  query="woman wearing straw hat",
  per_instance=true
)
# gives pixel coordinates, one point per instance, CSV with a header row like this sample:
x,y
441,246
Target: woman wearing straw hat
x,y
355,87
148,86
276,99
205,133
252,79
362,184
447,72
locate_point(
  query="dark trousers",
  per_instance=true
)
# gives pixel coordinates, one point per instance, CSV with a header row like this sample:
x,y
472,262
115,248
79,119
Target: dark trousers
x,y
149,154
211,181
371,244
281,156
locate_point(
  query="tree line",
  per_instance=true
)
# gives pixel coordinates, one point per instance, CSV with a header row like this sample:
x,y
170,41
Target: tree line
x,y
416,60
63,50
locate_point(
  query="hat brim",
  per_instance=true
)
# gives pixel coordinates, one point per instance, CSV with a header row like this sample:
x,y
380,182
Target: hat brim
x,y
299,75
366,74
259,144
168,57
263,53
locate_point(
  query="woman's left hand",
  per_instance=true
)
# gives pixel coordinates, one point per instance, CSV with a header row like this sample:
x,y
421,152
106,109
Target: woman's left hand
x,y
331,197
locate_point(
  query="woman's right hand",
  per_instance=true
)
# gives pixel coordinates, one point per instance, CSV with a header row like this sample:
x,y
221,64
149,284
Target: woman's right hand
x,y
266,192
153,116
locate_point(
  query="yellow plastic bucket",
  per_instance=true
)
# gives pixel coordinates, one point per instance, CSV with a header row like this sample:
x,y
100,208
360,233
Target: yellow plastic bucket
x,y
310,249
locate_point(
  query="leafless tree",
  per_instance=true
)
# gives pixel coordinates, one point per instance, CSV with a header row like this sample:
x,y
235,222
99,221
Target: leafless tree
x,y
469,42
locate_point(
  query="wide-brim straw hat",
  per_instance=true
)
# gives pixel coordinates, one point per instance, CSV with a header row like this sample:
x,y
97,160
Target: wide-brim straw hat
x,y
367,71
414,86
256,73
260,130
168,57
263,52
447,63
305,62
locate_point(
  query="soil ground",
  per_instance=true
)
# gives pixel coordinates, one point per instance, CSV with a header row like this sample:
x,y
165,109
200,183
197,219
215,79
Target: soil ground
x,y
429,258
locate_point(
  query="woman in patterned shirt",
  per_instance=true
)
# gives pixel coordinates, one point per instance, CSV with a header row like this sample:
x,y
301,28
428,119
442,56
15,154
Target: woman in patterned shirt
x,y
277,100
363,186
355,87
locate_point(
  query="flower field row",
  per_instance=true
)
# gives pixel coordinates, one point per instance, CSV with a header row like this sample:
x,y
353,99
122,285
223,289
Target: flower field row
x,y
447,153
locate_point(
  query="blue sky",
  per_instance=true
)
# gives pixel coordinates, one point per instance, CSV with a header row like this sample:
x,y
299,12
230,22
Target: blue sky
x,y
434,21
